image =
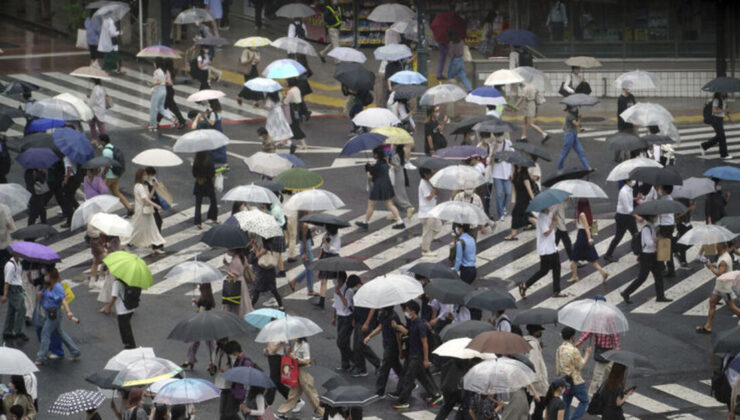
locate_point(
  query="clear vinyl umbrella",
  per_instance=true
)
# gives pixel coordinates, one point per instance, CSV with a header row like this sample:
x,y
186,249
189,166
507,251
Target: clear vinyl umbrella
x,y
146,371
251,194
580,188
707,235
111,224
637,80
498,376
647,114
126,357
376,117
388,290
348,54
622,171
594,316
295,10
457,177
314,200
15,197
194,15
55,109
294,46
392,52
194,272
391,12
286,329
115,10
283,69
187,391
535,77
83,109
200,140
442,94
460,212
100,203
269,164
263,84
503,77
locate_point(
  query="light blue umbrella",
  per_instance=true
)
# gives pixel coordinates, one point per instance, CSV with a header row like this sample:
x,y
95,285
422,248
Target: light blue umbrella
x,y
261,317
547,199
283,69
408,77
263,84
727,173
187,391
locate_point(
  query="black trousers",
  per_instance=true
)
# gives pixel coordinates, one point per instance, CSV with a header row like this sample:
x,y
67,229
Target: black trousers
x,y
344,338
57,190
226,6
720,138
273,289
124,328
361,351
648,264
258,12
212,207
667,232
549,262
539,407
274,361
680,249
468,274
69,190
562,235
625,222
390,361
451,399
169,103
37,207
414,370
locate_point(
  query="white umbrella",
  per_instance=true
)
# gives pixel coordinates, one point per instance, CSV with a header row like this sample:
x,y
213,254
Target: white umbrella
x,y
112,225
270,164
294,46
637,80
258,223
55,109
155,387
457,348
622,171
251,194
498,376
187,391
115,10
583,62
348,54
442,94
87,72
531,75
286,329
15,362
579,188
263,84
693,188
459,212
100,203
646,114
593,315
707,235
391,12
314,200
503,77
205,95
194,272
86,113
158,158
457,177
126,357
376,117
200,140
194,15
388,290
295,10
15,197
392,52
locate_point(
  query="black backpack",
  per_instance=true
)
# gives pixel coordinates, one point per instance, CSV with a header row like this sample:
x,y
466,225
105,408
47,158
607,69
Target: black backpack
x,y
707,112
526,58
120,158
596,405
636,242
366,98
131,296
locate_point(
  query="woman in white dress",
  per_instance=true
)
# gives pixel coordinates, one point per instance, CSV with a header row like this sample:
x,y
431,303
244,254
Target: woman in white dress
x,y
145,227
96,100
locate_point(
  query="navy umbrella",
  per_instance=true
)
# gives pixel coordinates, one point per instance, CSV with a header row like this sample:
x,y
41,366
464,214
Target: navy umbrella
x,y
547,199
409,91
32,232
579,99
362,142
247,375
517,37
727,173
226,236
19,88
433,270
43,124
723,84
37,158
74,144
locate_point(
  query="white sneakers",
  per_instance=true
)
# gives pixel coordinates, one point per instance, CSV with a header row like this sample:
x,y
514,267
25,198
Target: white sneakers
x,y
298,406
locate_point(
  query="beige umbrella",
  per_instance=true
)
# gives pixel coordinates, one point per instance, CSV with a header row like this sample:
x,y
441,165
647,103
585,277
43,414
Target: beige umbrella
x,y
157,158
88,72
205,95
86,113
503,77
583,62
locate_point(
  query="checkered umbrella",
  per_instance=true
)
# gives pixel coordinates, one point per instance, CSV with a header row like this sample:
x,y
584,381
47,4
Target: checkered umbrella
x,y
76,401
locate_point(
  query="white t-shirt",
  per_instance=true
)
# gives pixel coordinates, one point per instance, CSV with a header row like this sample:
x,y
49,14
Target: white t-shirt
x,y
293,96
545,243
625,200
335,244
69,164
425,206
118,293
501,170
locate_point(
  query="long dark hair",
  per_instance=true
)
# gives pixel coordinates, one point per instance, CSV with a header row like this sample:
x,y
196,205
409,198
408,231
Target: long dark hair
x,y
160,412
206,293
584,207
201,162
551,392
169,66
19,384
615,380
401,153
254,391
718,96
241,254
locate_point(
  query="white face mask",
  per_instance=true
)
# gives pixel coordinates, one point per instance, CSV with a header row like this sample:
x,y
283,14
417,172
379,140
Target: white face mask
x,y
407,315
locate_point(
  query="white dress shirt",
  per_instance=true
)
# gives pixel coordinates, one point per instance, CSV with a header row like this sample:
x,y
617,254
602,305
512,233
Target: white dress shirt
x,y
625,201
545,243
425,188
13,273
648,238
501,169
339,306
666,219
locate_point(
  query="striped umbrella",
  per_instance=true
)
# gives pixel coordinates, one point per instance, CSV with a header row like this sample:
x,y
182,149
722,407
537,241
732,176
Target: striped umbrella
x,y
158,51
76,401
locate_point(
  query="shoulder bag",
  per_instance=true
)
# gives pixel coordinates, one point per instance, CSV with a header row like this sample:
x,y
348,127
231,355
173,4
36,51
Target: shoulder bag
x,y
267,260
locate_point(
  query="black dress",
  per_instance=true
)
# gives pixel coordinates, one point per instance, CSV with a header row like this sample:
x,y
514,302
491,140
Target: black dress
x,y
519,216
247,93
611,410
382,188
582,250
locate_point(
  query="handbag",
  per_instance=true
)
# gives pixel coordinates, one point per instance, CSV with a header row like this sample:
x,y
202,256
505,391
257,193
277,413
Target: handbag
x,y
218,182
598,351
664,249
81,39
539,99
147,209
288,371
52,313
583,88
267,260
595,228
439,140
108,101
231,293
596,405
562,90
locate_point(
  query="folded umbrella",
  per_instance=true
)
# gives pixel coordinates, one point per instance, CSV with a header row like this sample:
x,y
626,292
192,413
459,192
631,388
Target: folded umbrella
x,y
324,219
299,179
657,139
457,177
111,225
208,325
457,348
15,362
225,236
200,141
722,84
295,10
259,223
583,62
205,95
376,117
392,52
499,342
115,10
314,200
158,158
251,194
407,77
286,329
100,203
628,359
467,124
263,84
442,94
32,232
283,69
197,272
693,188
213,41
535,77
460,152
37,158
448,291
707,235
391,12
662,206
625,142
517,37
657,176
294,46
249,376
263,316
535,316
579,99
431,163
623,170
503,77
194,15
495,126
362,142
409,91
490,300
460,212
593,315
187,391
533,150
546,199
485,96
433,270
579,188
394,135
637,80
347,54
268,164
349,396
159,51
252,42
146,371
76,401
129,268
33,252
468,329
100,162
515,157
15,197
732,223
74,144
727,173
388,290
80,104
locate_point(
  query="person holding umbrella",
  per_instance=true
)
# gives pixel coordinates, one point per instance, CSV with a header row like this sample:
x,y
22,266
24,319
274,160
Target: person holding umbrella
x,y
145,232
614,393
330,246
92,35
159,94
18,396
583,249
648,263
204,172
571,126
722,289
13,296
548,252
293,99
456,68
239,268
254,406
524,193
382,190
305,240
719,112
98,101
53,297
106,45
40,194
500,173
391,347
169,99
250,58
400,179
624,218
205,302
112,177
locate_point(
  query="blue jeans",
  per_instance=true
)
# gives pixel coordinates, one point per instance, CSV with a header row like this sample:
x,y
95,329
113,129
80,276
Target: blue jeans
x,y
16,311
457,69
156,106
571,141
580,393
307,273
50,326
442,48
503,195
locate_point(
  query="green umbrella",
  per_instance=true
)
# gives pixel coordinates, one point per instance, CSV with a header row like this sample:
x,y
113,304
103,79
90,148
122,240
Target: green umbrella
x,y
129,268
299,179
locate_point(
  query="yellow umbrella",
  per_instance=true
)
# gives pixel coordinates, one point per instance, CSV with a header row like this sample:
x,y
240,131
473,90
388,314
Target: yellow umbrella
x,y
395,135
252,41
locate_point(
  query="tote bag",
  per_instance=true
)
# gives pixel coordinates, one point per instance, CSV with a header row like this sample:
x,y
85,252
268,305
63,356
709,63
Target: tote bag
x,y
289,371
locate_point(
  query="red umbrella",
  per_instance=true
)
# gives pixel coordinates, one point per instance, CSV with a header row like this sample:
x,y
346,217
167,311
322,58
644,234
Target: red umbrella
x,y
445,20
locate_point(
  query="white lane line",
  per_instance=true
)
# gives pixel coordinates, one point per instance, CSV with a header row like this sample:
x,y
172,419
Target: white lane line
x,y
690,395
420,415
677,292
43,55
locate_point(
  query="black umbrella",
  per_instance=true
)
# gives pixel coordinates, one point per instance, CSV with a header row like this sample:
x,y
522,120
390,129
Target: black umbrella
x,y
432,270
625,142
409,91
731,223
225,235
657,176
536,316
563,174
270,185
656,207
40,140
355,76
5,122
32,232
336,264
249,376
657,139
628,358
723,84
349,396
490,300
326,378
514,157
13,113
104,379
495,126
533,149
431,163
100,162
727,341
209,325
19,88
466,125
323,219
468,329
448,291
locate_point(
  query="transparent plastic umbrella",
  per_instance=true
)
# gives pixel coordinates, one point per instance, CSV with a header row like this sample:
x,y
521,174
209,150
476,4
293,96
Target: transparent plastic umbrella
x,y
503,77
194,272
392,52
581,189
457,348
126,357
146,371
459,212
116,10
263,84
158,158
376,117
622,171
187,391
283,69
637,80
348,54
707,235
646,114
286,329
593,315
388,290
693,188
295,10
100,203
498,376
15,197
536,77
442,94
250,194
15,362
111,224
194,15
55,109
391,12
200,140
314,200
86,113
294,46
269,164
457,177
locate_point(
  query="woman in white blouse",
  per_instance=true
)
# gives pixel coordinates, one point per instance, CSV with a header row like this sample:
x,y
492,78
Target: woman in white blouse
x,y
159,95
96,100
573,80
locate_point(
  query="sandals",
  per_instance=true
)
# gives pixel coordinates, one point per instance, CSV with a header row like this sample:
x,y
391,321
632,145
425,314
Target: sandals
x,y
604,276
559,295
572,279
523,291
702,330
510,238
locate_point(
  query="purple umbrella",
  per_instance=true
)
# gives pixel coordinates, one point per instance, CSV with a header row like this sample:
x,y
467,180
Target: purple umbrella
x,y
459,152
31,251
295,160
37,158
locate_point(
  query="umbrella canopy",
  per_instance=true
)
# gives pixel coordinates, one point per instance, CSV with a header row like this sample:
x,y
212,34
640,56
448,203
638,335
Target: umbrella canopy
x,y
126,357
563,174
468,329
43,124
325,377
100,162
408,91
391,12
433,270
263,316
32,232
146,371
732,223
251,194
662,206
503,77
15,362
205,95
443,22
283,69
314,200
73,144
625,142
460,152
637,80
490,300
103,379
495,126
457,177
37,158
208,325
467,124
546,199
388,290
112,224
194,272
499,342
299,179
460,212
657,176
623,170
18,87
259,223
295,10
628,358
100,203
225,236
442,94
33,252
324,219
408,77
394,135
693,188
485,96
252,42
249,376
535,77
269,184
347,54
286,329
158,158
722,84
362,142
40,140
15,197
647,114
583,62
294,46
579,188
533,150
76,401
115,10
594,316
431,163
80,104
194,15
536,316
6,122
707,235
579,99
187,391
349,396
159,51
448,291
263,84
354,76
376,117
200,141
517,37
498,376
657,139
129,268
723,342
457,348
268,164
213,41
727,173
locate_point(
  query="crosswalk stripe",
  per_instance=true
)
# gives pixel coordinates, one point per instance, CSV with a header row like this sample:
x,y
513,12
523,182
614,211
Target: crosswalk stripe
x,y
677,292
690,395
420,415
649,404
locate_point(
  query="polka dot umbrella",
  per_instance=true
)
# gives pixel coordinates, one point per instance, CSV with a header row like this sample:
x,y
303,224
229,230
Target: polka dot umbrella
x,y
76,401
